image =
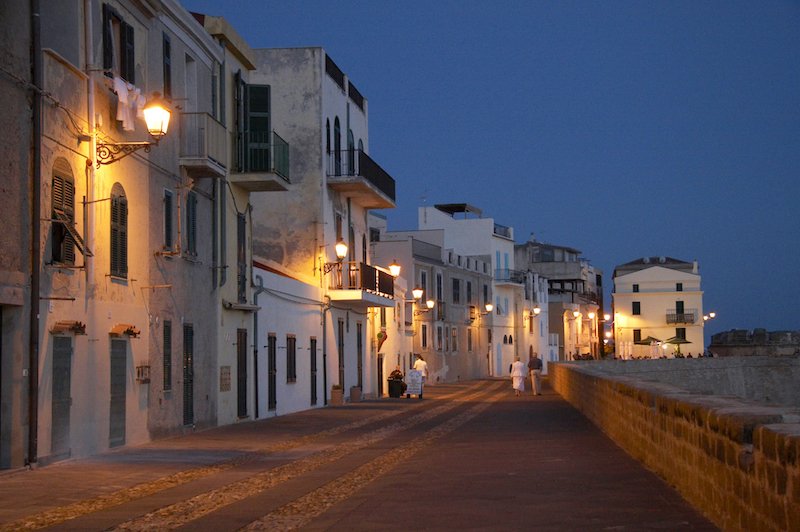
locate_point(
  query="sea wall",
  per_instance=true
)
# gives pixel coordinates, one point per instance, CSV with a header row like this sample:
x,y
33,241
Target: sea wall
x,y
732,458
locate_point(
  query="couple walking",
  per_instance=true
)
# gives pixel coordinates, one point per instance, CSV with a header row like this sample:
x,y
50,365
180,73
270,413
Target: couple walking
x,y
518,375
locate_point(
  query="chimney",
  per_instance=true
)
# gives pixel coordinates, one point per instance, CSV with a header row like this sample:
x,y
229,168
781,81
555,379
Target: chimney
x,y
695,267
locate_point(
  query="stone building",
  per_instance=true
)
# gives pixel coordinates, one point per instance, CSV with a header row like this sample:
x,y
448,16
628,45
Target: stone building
x,y
758,342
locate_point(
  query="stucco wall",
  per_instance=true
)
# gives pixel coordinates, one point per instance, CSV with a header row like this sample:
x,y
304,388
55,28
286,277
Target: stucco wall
x,y
735,461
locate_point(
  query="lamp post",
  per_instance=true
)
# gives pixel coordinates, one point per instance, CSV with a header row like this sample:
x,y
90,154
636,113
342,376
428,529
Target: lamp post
x,y
156,116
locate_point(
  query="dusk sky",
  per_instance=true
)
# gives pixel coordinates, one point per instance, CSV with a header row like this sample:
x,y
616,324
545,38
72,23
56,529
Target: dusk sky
x,y
623,129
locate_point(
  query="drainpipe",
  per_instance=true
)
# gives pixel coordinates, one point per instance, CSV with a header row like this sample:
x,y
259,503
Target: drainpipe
x,y
259,289
325,308
33,331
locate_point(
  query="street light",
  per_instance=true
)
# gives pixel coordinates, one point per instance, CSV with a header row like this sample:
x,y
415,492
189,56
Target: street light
x,y
394,269
417,293
537,310
489,308
341,253
156,116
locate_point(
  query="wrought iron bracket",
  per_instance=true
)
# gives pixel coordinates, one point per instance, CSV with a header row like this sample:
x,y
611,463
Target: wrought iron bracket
x,y
108,153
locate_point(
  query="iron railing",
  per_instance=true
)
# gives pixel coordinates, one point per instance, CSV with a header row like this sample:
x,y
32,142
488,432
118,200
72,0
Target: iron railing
x,y
261,152
361,276
509,276
687,316
354,163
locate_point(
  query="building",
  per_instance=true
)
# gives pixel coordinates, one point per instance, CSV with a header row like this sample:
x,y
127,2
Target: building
x,y
575,289
318,300
758,342
512,291
19,203
122,292
448,325
658,308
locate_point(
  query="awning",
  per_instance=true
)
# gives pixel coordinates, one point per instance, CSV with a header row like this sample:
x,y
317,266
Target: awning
x,y
126,329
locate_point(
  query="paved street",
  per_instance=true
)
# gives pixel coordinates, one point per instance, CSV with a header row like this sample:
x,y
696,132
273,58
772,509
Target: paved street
x,y
468,456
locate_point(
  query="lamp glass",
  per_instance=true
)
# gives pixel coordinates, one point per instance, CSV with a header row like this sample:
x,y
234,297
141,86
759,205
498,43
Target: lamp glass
x,y
576,314
394,269
156,116
712,314
341,250
430,303
537,310
489,307
417,293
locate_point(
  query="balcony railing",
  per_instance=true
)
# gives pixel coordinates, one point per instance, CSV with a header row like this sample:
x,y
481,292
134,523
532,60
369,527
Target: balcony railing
x,y
502,230
361,276
356,172
261,161
687,316
203,145
504,275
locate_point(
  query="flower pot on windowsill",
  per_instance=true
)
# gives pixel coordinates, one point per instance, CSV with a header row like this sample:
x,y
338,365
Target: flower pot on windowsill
x,y
337,396
355,394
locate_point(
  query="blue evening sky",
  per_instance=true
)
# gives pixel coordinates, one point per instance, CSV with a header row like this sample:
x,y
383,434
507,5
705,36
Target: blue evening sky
x,y
623,129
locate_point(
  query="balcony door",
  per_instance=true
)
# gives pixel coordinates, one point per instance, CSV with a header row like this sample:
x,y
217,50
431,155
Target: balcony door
x,y
257,116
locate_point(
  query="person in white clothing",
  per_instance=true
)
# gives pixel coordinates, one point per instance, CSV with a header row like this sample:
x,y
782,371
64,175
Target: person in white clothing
x,y
518,374
421,366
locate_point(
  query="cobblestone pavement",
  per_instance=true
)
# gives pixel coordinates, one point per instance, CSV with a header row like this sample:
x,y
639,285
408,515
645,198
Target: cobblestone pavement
x,y
469,456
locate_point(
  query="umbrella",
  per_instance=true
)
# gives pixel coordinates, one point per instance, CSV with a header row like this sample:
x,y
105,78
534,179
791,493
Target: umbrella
x,y
677,340
647,341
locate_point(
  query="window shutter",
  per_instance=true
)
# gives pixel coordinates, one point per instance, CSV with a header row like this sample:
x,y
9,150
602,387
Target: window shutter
x,y
108,39
69,210
191,223
128,53
168,219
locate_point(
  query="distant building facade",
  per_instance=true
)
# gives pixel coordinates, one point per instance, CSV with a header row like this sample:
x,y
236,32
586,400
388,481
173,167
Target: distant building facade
x,y
658,308
575,295
758,342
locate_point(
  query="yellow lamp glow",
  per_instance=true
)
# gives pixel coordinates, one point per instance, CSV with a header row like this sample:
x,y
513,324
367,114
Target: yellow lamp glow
x,y
156,116
394,268
341,249
417,293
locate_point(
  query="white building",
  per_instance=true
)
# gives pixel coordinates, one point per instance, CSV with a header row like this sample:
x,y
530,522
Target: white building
x,y
658,308
466,230
316,326
453,333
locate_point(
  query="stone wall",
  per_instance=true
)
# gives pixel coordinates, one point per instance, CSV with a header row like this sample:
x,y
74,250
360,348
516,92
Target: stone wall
x,y
735,461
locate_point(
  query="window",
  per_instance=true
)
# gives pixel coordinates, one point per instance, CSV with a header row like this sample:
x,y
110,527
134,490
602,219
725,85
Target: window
x,y
364,248
337,147
679,307
424,336
191,223
439,287
469,340
167,358
327,135
637,335
469,292
485,293
167,49
680,332
374,234
351,153
454,341
423,283
291,358
168,219
119,232
253,126
679,287
383,316
636,308
439,340
447,338
118,45
63,214
456,291
636,288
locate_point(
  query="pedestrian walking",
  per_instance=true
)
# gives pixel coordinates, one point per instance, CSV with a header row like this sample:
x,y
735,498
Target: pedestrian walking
x,y
518,376
421,366
535,369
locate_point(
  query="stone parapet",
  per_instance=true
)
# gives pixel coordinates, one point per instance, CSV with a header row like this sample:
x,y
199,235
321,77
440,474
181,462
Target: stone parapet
x,y
736,461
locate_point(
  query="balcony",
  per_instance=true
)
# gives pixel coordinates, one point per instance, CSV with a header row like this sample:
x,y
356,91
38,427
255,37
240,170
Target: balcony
x,y
202,145
687,316
506,276
355,174
357,282
262,162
